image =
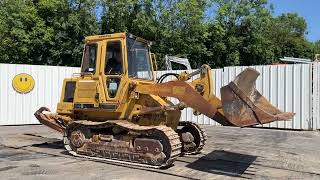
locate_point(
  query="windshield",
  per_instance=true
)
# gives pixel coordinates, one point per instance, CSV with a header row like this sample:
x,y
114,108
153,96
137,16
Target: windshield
x,y
139,64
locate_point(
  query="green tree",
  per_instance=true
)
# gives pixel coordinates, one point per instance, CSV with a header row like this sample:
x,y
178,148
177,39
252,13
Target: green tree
x,y
288,35
316,48
70,21
237,33
245,33
45,31
22,32
176,27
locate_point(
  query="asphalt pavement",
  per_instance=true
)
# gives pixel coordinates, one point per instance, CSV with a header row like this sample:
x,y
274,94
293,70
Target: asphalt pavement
x,y
36,152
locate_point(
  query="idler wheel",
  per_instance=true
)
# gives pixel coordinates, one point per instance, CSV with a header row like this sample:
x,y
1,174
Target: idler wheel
x,y
190,136
77,139
187,137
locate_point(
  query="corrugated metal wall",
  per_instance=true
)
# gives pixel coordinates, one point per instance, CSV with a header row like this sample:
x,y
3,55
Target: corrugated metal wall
x,y
289,87
316,96
16,108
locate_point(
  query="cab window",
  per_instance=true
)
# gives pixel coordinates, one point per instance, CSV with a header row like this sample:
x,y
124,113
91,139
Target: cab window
x,y
114,58
139,63
89,58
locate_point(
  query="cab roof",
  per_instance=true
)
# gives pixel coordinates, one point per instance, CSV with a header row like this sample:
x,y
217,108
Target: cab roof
x,y
114,36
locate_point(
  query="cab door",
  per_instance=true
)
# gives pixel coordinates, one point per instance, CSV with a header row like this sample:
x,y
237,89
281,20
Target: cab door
x,y
113,67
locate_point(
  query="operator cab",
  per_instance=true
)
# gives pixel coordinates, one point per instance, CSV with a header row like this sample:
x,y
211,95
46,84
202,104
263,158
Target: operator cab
x,y
117,56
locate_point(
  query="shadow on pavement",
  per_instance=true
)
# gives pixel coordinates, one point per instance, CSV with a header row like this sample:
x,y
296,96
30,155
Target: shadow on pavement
x,y
224,163
52,145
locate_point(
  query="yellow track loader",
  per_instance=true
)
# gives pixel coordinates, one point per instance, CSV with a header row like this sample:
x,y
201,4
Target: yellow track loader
x,y
117,111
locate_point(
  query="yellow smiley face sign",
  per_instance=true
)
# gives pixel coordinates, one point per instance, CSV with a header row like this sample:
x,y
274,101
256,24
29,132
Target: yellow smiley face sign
x,y
23,83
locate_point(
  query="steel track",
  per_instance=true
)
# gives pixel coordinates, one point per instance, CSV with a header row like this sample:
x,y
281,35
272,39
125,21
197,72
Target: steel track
x,y
169,132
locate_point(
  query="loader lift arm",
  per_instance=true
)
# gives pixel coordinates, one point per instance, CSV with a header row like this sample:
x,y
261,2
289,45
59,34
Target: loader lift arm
x,y
242,105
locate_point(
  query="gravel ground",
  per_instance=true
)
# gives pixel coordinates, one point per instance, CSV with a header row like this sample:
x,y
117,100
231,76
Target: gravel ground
x,y
36,152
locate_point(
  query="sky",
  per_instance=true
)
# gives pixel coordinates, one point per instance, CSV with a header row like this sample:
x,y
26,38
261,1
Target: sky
x,y
309,9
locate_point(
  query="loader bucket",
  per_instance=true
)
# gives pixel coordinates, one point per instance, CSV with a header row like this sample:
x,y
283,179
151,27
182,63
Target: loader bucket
x,y
243,105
